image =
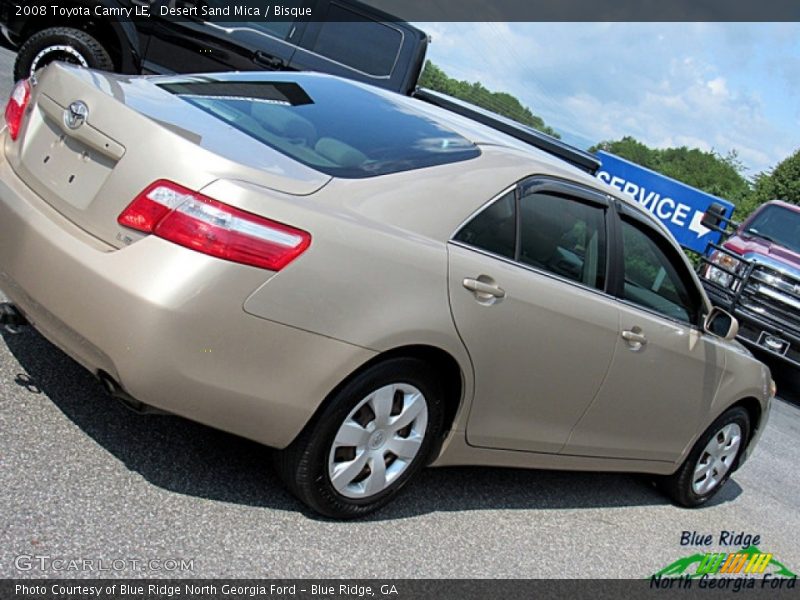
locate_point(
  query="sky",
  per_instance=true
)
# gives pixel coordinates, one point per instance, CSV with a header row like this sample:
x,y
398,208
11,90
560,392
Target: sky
x,y
720,86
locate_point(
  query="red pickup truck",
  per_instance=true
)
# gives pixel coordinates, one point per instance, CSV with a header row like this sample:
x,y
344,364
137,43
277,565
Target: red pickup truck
x,y
755,275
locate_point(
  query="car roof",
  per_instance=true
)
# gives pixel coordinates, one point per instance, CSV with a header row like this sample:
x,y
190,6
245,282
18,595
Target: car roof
x,y
784,204
484,135
539,161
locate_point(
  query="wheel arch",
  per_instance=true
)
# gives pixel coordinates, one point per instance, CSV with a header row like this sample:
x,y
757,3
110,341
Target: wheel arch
x,y
754,411
452,381
120,39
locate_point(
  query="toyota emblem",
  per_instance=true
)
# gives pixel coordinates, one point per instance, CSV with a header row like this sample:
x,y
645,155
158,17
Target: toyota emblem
x,y
75,114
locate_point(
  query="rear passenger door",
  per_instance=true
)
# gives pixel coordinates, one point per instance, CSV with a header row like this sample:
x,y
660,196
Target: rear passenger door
x,y
527,282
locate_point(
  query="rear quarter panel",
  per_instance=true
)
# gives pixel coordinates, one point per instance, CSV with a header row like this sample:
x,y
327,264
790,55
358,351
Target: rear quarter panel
x,y
376,272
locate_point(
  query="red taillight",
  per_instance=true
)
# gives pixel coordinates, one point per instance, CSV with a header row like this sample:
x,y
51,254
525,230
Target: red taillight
x,y
15,109
184,217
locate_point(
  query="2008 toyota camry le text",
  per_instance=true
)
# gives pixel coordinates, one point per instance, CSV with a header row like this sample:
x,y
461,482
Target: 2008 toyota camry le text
x,y
364,281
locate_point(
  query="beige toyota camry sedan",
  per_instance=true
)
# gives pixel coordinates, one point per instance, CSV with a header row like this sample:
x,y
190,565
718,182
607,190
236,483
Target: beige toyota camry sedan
x,y
365,282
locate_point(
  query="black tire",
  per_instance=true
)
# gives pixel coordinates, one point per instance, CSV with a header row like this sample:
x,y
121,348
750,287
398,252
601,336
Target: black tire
x,y
680,485
60,43
304,465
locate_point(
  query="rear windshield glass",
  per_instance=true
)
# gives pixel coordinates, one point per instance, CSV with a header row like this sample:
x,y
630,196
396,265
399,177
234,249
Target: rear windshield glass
x,y
333,126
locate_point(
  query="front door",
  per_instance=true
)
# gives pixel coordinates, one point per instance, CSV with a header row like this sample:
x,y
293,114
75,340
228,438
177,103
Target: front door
x,y
665,371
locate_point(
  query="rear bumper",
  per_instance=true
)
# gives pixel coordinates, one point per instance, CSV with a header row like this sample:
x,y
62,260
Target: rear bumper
x,y
165,322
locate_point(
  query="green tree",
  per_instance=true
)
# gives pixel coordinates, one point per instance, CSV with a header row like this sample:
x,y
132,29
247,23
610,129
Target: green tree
x,y
708,171
781,183
501,103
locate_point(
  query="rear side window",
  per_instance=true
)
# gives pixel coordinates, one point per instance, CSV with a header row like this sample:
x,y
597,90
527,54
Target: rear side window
x,y
331,125
493,229
378,43
554,233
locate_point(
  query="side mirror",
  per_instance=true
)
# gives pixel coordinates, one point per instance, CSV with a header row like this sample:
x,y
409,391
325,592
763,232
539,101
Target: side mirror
x,y
721,323
714,216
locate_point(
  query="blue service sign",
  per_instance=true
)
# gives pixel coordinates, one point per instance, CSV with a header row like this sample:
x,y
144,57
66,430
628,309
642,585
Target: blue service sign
x,y
679,206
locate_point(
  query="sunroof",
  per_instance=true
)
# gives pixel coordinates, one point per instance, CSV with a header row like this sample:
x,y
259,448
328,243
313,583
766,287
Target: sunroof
x,y
334,126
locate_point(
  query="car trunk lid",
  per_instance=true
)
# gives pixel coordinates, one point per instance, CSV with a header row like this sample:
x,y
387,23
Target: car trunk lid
x,y
92,141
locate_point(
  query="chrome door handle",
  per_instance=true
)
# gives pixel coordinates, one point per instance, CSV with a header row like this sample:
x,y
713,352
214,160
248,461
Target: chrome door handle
x,y
483,290
635,338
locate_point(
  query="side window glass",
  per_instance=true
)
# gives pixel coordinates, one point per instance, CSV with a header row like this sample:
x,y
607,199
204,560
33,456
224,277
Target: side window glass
x,y
564,237
494,228
652,279
342,26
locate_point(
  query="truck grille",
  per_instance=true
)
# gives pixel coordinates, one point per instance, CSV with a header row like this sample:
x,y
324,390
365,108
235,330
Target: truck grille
x,y
773,295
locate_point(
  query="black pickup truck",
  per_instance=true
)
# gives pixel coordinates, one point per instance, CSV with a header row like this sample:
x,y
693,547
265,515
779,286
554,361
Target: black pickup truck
x,y
342,37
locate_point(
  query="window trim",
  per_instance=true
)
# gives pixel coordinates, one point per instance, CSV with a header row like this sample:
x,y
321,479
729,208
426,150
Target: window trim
x,y
544,184
548,183
261,32
292,39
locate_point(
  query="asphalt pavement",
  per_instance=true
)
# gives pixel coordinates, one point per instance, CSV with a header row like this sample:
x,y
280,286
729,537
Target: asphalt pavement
x,y
84,479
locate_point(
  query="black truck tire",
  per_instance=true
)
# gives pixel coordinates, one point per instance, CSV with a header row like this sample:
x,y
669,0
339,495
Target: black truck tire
x,y
60,43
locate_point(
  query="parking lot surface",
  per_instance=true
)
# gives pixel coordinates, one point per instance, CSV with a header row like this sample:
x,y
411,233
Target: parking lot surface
x,y
84,479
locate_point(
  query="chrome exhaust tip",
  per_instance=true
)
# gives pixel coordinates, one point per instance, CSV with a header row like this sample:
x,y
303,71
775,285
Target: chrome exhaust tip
x,y
116,391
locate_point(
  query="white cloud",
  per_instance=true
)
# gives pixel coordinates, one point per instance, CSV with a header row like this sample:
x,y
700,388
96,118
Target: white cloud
x,y
718,86
711,86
